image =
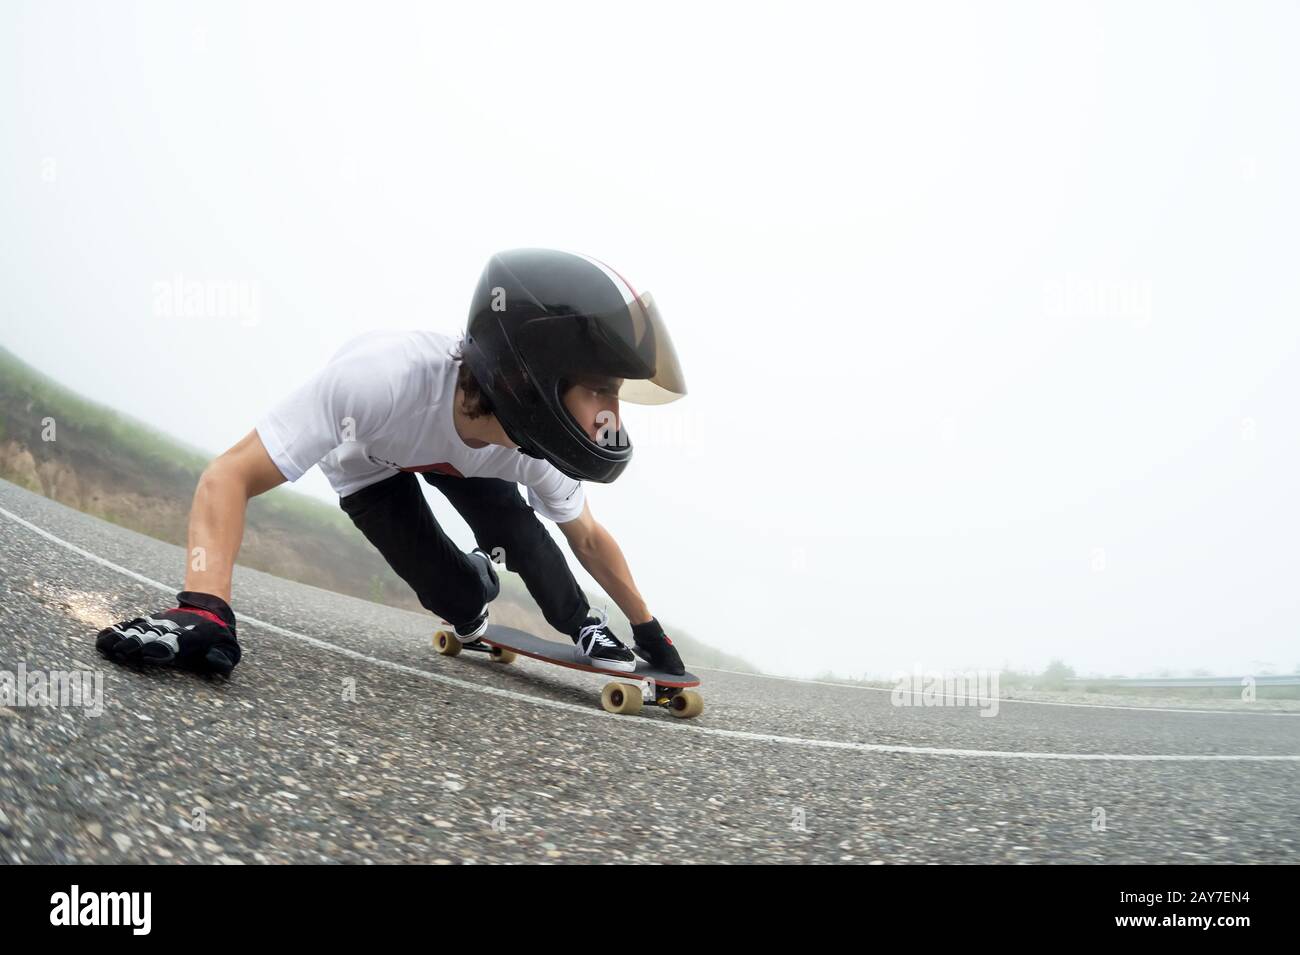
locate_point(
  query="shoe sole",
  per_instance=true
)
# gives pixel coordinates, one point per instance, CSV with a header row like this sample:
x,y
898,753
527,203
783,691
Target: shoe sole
x,y
623,666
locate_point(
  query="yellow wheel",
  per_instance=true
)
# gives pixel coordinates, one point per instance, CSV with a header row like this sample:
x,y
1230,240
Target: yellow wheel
x,y
446,643
686,705
621,698
502,655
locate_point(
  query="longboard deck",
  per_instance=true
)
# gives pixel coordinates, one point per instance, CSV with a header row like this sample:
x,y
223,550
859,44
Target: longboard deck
x,y
566,655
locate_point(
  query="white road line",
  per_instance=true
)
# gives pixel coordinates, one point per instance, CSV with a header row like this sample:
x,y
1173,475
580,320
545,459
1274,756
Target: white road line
x,y
1006,699
682,727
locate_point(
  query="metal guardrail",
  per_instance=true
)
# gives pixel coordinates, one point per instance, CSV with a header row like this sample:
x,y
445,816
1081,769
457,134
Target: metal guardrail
x,y
1292,679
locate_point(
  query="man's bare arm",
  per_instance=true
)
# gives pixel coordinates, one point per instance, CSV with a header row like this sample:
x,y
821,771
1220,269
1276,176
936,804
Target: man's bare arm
x,y
217,514
600,554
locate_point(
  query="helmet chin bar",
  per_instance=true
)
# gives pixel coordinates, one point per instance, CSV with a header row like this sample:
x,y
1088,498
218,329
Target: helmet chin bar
x,y
593,450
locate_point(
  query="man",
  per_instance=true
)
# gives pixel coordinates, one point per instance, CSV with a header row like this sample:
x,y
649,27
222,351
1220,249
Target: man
x,y
529,395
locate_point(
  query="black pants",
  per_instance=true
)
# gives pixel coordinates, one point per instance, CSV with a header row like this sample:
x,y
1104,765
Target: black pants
x,y
394,516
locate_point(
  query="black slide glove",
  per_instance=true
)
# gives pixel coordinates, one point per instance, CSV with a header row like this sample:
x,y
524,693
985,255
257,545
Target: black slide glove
x,y
198,634
654,647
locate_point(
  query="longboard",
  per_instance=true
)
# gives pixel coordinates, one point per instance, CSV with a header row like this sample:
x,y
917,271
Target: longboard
x,y
645,684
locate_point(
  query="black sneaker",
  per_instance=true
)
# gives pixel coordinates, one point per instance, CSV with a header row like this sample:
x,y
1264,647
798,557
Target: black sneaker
x,y
470,632
600,648
482,561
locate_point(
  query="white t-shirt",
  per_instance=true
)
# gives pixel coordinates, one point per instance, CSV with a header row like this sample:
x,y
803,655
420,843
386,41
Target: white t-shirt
x,y
394,390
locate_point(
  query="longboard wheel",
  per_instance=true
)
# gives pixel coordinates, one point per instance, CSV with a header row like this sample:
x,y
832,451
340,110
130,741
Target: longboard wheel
x,y
447,643
502,655
622,698
686,705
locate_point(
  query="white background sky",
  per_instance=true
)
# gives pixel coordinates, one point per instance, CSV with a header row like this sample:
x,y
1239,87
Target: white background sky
x,y
914,436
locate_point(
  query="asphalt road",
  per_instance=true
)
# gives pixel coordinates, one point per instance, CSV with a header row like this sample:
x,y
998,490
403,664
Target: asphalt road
x,y
343,737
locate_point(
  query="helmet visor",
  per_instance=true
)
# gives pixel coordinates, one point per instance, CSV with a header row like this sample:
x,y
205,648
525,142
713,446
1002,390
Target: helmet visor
x,y
642,354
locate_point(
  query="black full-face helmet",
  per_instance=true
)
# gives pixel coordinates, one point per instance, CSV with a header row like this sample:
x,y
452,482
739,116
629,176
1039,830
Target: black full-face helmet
x,y
543,320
